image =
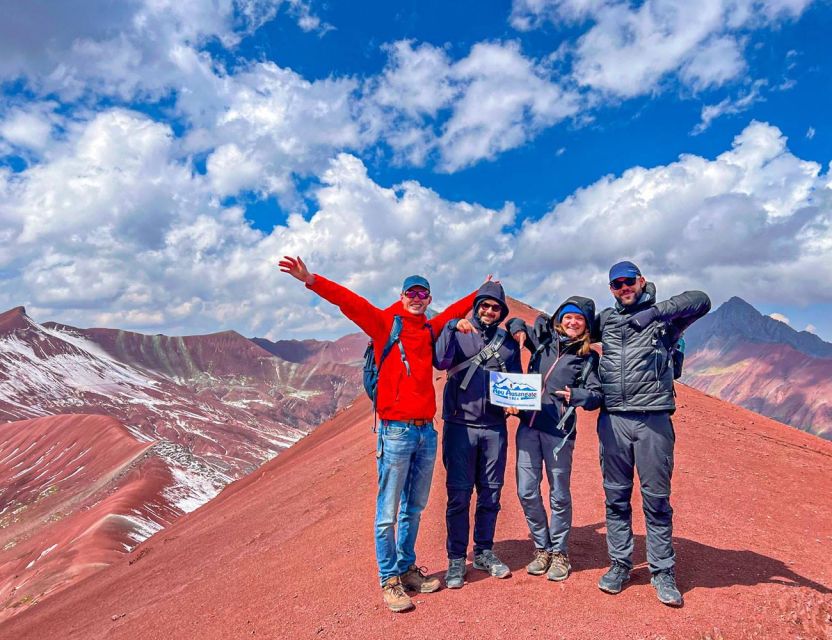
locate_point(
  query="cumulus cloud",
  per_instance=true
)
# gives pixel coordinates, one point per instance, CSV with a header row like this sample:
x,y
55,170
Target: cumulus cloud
x,y
28,128
265,124
753,221
810,328
135,237
116,228
467,110
779,317
632,47
124,49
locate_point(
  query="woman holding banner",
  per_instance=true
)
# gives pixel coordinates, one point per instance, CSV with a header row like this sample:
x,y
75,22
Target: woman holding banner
x,y
561,354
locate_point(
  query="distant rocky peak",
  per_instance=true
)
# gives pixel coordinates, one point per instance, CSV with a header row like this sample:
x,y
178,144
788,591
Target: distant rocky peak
x,y
736,319
14,319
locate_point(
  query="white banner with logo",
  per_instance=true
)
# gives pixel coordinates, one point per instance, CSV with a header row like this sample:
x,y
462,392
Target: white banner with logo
x,y
521,390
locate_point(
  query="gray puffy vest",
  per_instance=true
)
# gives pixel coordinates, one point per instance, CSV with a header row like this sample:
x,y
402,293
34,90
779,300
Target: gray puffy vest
x,y
636,369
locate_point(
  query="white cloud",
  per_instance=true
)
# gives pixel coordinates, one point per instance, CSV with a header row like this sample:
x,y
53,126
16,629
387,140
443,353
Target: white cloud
x,y
495,99
811,329
29,127
780,317
265,124
753,221
125,49
810,133
730,106
632,47
134,237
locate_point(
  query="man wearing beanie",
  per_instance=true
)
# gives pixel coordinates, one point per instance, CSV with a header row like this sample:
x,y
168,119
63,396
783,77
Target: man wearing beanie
x,y
474,437
634,427
406,404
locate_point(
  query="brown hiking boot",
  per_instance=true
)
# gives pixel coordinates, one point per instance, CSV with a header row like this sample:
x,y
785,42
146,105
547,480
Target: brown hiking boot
x,y
415,579
559,568
541,562
394,596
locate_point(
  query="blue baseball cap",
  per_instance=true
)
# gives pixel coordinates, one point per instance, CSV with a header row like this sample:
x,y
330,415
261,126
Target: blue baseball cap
x,y
415,281
625,269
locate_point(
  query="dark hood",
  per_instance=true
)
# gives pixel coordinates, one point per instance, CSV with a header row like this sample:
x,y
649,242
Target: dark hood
x,y
586,305
492,291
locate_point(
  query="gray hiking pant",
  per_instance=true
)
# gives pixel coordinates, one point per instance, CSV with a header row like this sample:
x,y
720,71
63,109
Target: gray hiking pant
x,y
534,450
644,441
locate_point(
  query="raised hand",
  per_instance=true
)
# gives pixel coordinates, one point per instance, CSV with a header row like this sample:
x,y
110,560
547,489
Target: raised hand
x,y
565,394
296,268
465,326
641,320
520,336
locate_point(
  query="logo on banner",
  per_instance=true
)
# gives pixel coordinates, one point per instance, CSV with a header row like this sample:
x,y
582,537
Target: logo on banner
x,y
515,390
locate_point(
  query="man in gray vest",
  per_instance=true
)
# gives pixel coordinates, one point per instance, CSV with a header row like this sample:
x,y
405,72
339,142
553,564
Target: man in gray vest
x,y
634,427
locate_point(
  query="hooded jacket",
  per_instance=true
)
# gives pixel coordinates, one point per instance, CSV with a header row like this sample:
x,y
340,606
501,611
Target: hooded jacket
x,y
636,371
471,406
399,396
556,358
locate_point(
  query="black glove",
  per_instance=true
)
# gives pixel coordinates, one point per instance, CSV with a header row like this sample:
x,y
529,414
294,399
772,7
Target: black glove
x,y
641,320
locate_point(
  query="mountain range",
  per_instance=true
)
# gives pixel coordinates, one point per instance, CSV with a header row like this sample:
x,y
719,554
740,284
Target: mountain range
x,y
740,355
159,426
287,551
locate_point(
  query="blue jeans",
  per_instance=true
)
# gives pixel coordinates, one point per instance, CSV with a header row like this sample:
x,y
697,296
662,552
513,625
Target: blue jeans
x,y
405,459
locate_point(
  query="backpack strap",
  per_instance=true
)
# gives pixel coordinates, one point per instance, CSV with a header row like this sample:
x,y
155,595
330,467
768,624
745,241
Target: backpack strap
x,y
489,351
395,333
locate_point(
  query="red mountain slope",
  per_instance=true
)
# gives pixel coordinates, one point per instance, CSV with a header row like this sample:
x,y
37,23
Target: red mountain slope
x,y
287,552
77,491
220,396
773,379
738,354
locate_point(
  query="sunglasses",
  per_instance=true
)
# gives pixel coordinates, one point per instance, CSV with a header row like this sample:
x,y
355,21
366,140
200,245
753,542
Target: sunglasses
x,y
489,306
620,282
417,293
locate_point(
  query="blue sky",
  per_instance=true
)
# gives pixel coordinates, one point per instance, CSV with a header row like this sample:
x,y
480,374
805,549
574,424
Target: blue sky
x,y
156,157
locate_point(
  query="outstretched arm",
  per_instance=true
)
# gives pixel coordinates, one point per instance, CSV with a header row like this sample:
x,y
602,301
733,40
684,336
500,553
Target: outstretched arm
x,y
681,311
368,317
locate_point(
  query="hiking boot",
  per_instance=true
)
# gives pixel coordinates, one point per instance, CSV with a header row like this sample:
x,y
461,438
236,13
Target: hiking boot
x,y
613,580
541,562
455,577
415,579
394,596
488,561
666,589
559,567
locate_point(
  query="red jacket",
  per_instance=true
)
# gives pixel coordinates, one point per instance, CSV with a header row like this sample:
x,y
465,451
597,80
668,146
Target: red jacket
x,y
400,397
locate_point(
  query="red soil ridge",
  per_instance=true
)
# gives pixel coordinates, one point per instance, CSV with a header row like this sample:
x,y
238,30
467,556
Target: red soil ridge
x,y
77,492
287,552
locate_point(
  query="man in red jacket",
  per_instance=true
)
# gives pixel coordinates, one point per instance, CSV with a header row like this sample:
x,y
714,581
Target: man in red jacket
x,y
406,404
